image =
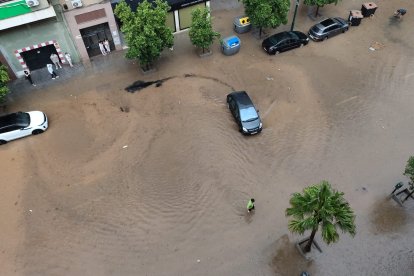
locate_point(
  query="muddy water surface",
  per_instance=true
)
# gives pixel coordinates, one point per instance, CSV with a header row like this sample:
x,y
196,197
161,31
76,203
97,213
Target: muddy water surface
x,y
161,189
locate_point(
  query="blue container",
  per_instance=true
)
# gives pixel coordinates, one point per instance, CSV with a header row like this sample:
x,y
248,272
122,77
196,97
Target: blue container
x,y
230,45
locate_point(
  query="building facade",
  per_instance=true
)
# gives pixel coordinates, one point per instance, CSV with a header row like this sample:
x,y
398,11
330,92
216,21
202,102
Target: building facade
x,y
30,31
179,17
89,22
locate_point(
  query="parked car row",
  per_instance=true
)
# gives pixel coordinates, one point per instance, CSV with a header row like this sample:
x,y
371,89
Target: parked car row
x,y
323,30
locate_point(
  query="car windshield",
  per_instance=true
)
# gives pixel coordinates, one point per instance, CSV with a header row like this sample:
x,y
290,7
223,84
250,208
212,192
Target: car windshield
x,y
274,40
248,114
21,119
316,29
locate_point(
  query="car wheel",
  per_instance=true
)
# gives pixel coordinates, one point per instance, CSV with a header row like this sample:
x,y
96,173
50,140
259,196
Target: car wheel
x,y
325,38
2,142
37,131
277,52
345,30
301,45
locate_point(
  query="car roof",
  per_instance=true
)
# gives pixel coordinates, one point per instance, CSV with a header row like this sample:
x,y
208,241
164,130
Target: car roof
x,y
328,22
282,35
12,119
242,98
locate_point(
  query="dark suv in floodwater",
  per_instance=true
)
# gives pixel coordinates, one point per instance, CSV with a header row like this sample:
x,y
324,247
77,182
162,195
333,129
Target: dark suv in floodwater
x,y
243,110
284,41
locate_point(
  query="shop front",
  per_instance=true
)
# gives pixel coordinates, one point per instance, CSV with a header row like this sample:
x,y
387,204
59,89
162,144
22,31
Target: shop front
x,y
179,17
90,25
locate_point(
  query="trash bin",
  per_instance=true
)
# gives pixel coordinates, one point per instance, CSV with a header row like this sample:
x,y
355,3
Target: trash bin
x,y
368,9
355,17
242,24
230,45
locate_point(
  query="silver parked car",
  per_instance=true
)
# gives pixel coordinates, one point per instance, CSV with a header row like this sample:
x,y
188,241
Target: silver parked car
x,y
328,28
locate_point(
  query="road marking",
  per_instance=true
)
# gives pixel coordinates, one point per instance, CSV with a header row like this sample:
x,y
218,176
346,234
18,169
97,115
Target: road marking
x,y
347,100
268,110
409,75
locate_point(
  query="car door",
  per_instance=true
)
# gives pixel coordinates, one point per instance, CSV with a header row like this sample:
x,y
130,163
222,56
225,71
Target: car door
x,y
290,44
26,131
232,105
281,46
11,133
334,30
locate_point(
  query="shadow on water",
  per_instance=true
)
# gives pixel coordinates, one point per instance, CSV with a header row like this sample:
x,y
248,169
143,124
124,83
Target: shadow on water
x,y
388,217
139,84
287,260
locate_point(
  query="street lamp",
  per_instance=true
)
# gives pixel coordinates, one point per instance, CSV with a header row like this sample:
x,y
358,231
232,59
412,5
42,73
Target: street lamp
x,y
294,15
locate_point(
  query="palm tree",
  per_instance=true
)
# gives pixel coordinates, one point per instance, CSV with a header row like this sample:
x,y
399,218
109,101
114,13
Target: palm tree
x,y
409,172
320,205
409,169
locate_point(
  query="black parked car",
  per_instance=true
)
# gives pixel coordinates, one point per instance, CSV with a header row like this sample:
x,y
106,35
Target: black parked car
x,y
243,110
328,28
284,41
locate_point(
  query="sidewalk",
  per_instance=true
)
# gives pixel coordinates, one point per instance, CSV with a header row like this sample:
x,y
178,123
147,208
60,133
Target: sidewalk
x,y
42,78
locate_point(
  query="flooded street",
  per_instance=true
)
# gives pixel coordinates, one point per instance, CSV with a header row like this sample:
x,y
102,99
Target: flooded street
x,y
156,182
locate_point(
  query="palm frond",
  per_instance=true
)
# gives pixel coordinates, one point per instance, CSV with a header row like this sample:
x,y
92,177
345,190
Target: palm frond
x,y
321,205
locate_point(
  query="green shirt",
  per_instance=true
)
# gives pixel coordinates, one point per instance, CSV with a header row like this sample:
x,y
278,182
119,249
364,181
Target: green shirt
x,y
250,204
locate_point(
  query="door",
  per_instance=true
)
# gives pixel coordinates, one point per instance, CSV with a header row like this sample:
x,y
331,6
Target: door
x,y
38,58
290,44
92,35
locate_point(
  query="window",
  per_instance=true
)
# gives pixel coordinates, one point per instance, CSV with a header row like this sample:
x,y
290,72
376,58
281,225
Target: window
x,y
185,15
170,22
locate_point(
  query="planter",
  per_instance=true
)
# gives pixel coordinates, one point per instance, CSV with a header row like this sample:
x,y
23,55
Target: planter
x,y
311,13
256,33
301,244
207,52
149,71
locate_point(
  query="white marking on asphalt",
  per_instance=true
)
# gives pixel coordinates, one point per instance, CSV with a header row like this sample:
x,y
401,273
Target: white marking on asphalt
x,y
347,100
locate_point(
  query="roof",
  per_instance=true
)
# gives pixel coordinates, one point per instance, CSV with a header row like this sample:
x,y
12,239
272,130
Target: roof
x,y
242,98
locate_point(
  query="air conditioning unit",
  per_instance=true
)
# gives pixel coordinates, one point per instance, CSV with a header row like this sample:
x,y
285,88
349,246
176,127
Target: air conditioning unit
x,y
32,3
76,3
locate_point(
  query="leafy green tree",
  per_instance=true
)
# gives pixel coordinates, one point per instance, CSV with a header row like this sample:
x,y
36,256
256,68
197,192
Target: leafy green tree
x,y
409,169
201,31
4,78
320,206
145,30
319,3
267,13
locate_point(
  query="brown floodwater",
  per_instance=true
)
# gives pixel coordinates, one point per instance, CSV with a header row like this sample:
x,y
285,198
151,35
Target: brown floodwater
x,y
162,189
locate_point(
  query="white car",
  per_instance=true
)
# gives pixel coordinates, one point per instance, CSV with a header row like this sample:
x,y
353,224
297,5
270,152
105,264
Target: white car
x,y
21,124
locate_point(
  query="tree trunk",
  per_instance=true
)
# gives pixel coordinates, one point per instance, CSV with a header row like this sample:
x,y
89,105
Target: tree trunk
x,y
203,50
260,32
311,238
317,11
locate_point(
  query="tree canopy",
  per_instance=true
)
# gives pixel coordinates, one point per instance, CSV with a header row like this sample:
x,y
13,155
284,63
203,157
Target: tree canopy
x,y
409,169
320,206
145,30
319,3
201,30
267,13
4,78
